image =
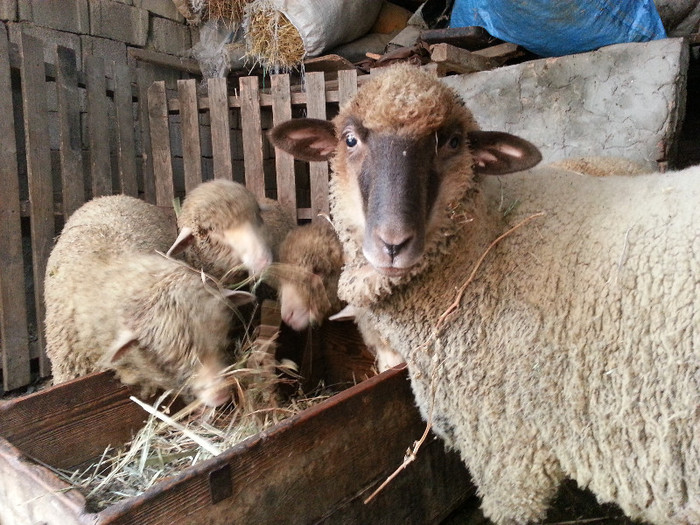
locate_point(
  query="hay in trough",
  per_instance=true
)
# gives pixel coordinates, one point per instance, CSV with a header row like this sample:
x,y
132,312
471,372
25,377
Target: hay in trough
x,y
168,444
271,39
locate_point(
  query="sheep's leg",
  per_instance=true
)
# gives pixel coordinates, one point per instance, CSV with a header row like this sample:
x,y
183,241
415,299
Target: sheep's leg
x,y
519,485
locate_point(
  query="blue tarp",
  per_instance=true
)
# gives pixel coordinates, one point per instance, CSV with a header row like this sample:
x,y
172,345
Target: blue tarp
x,y
556,28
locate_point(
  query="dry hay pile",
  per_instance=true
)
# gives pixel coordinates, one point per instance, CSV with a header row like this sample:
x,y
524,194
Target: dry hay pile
x,y
271,39
168,444
229,12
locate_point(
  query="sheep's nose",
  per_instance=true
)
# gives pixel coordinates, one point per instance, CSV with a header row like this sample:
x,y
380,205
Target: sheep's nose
x,y
393,243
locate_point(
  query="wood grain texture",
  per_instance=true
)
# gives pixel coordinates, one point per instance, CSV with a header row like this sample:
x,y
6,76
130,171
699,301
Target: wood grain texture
x,y
252,136
40,186
13,310
73,422
220,128
126,148
70,153
191,144
98,126
347,85
284,162
160,144
318,171
318,465
144,80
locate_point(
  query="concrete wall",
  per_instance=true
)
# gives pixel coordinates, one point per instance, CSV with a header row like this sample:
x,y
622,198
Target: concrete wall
x,y
624,100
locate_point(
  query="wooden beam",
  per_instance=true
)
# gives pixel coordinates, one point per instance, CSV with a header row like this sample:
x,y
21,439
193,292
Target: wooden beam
x,y
459,60
188,65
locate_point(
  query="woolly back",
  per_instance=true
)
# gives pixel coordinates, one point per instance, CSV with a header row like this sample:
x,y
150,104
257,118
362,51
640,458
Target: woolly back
x,y
218,205
314,247
176,317
277,224
116,224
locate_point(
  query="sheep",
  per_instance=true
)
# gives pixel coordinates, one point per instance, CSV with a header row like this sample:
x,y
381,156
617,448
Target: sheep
x,y
549,320
601,166
113,303
277,225
311,258
221,230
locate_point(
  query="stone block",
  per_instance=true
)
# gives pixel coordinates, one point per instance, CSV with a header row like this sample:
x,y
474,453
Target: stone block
x,y
118,21
625,100
64,15
169,37
8,10
175,125
51,37
162,8
205,140
109,50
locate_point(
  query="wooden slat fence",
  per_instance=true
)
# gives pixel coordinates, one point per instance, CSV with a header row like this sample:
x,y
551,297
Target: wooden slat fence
x,y
49,166
238,122
69,134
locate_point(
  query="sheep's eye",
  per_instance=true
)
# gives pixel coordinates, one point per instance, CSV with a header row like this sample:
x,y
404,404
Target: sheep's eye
x,y
350,140
455,141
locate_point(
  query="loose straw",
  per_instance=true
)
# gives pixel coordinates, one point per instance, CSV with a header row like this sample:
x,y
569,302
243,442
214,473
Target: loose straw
x,y
204,443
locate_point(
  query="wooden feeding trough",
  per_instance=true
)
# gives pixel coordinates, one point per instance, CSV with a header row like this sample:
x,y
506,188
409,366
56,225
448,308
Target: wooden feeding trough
x,y
316,466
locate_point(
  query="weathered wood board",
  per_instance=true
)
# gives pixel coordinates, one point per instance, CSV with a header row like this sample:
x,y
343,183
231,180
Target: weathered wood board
x,y
317,466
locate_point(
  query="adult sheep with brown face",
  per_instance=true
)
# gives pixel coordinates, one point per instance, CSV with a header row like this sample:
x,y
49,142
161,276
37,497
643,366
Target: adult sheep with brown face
x,y
557,340
112,302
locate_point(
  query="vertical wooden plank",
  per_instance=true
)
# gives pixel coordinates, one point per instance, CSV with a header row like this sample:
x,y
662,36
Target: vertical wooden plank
x,y
318,171
126,148
13,310
70,153
284,162
160,144
347,85
252,136
144,80
38,166
220,128
98,126
191,145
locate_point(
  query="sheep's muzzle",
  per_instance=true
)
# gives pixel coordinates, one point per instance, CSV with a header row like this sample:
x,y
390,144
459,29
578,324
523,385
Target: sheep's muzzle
x,y
398,186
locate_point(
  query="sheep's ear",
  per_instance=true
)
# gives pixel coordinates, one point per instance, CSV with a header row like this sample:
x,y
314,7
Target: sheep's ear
x,y
497,153
125,341
346,314
238,297
184,239
307,139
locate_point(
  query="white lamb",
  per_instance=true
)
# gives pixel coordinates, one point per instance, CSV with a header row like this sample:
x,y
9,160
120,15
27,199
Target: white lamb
x,y
221,231
568,346
113,303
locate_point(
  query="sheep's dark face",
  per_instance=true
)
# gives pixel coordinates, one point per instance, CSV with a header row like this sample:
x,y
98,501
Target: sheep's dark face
x,y
397,180
405,152
392,188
